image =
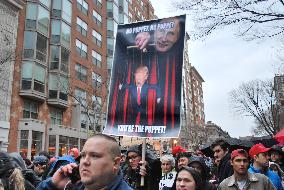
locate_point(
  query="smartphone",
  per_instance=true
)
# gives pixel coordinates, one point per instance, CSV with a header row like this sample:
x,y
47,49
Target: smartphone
x,y
75,175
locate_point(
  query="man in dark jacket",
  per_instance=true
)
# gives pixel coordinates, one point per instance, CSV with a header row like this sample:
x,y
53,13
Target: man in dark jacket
x,y
99,168
222,156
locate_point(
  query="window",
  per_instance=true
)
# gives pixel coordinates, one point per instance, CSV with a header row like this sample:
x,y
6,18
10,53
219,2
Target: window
x,y
37,18
111,28
81,96
62,9
97,58
82,27
60,33
30,109
81,72
24,139
35,46
109,9
98,3
97,103
54,57
36,142
66,10
33,76
97,18
82,6
56,116
66,143
97,38
81,48
46,3
52,145
112,10
55,62
110,47
97,80
43,20
63,145
109,62
58,87
64,60
83,120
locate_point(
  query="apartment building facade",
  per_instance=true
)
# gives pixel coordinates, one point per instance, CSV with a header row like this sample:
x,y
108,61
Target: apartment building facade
x,y
59,93
9,11
197,97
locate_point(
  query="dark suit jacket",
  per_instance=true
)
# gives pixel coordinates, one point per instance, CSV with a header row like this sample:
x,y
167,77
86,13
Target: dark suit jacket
x,y
142,108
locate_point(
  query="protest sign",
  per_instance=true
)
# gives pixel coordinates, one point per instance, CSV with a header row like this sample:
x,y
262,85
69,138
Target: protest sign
x,y
145,90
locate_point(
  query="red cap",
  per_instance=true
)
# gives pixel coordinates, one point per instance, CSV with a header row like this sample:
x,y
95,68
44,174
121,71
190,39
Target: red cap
x,y
256,149
75,152
239,152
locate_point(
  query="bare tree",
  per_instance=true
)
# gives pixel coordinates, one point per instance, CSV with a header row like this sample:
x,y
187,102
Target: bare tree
x,y
257,99
253,18
92,105
7,56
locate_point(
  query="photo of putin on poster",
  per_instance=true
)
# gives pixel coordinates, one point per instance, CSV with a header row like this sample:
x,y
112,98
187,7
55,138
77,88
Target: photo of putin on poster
x,y
145,90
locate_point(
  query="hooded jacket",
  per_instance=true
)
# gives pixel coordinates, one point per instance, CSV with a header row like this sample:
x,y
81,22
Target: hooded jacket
x,y
204,173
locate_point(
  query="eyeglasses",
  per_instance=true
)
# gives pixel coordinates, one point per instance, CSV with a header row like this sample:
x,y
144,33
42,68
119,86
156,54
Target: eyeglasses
x,y
132,157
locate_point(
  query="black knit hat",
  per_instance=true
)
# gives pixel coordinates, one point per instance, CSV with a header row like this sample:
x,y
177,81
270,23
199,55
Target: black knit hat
x,y
136,148
6,163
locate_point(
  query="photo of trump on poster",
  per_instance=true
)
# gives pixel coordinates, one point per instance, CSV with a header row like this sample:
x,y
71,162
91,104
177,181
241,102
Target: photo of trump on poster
x,y
146,81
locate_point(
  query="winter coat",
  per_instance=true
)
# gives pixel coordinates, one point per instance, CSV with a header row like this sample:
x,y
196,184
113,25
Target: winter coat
x,y
254,182
116,184
274,178
204,173
225,168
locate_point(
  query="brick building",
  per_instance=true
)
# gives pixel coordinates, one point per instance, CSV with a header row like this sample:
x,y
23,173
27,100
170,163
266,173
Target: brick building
x,y
197,97
59,92
9,11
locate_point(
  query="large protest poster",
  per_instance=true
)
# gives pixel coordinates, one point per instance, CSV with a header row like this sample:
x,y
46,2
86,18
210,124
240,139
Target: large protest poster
x,y
146,80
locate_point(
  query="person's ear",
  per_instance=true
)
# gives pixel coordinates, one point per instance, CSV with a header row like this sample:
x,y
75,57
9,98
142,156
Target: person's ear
x,y
231,161
116,163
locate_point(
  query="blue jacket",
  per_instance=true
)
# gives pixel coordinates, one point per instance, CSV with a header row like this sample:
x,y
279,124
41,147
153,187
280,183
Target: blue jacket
x,y
274,178
117,184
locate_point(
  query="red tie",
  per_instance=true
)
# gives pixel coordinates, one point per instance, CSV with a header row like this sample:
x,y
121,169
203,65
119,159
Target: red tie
x,y
139,96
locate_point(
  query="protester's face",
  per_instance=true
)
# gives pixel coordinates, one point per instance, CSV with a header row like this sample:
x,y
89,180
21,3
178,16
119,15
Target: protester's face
x,y
219,153
97,164
133,159
166,166
140,77
240,165
39,169
185,181
183,161
262,159
275,156
165,38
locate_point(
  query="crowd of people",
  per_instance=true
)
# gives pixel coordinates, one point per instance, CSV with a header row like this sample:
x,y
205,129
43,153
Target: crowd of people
x,y
102,165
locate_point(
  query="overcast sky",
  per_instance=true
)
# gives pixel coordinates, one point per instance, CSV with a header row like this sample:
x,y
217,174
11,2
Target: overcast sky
x,y
224,62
